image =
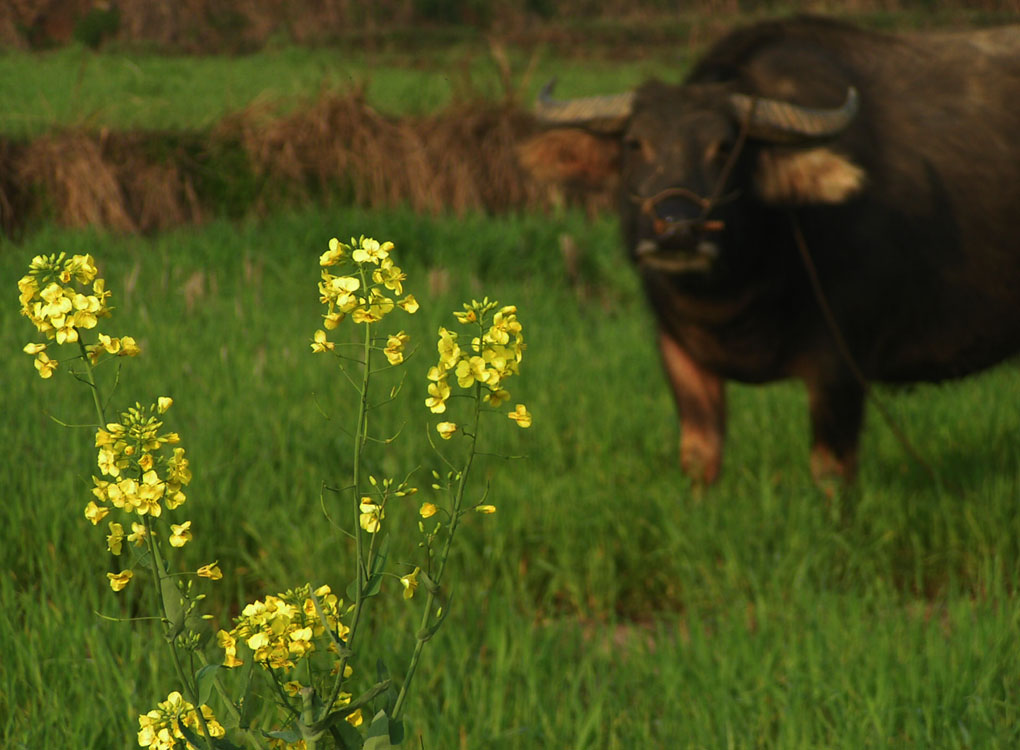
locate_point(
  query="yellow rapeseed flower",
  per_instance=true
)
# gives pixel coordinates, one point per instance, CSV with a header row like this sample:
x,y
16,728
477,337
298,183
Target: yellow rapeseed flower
x,y
446,430
390,276
449,351
374,309
138,534
128,347
320,343
119,580
410,583
521,416
107,462
370,251
428,510
394,350
211,571
471,370
95,513
162,728
485,508
371,515
163,403
115,538
467,316
334,255
45,365
229,644
180,534
109,344
497,397
438,394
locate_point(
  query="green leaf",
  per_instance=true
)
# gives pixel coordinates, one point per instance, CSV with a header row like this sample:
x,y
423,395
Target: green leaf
x,y
373,586
248,701
173,604
348,736
201,628
379,560
290,736
378,743
383,676
206,678
375,576
384,733
371,589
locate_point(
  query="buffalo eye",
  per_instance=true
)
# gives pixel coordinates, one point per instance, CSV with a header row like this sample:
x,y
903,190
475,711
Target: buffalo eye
x,y
718,151
637,148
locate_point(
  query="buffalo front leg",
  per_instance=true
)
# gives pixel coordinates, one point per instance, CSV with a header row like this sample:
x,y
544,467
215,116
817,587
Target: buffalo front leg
x,y
701,403
837,413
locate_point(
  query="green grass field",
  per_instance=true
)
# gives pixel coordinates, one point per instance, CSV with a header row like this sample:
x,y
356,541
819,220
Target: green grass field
x,y
76,87
605,605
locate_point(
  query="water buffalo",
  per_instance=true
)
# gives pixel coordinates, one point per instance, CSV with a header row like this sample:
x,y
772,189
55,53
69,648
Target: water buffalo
x,y
887,166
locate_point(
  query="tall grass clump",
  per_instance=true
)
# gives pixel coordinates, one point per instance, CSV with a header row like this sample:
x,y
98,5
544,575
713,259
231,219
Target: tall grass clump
x,y
292,671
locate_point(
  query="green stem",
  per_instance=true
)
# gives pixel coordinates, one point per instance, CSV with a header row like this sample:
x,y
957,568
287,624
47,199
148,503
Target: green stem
x,y
444,555
361,577
100,412
308,716
156,566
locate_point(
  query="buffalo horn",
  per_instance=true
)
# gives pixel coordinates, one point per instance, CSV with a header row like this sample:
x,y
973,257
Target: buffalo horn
x,y
780,121
609,111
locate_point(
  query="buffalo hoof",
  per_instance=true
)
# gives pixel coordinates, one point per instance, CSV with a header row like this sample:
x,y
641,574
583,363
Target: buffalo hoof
x,y
701,462
830,472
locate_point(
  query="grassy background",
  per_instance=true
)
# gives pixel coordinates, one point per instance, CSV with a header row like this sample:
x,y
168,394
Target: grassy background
x,y
76,87
606,604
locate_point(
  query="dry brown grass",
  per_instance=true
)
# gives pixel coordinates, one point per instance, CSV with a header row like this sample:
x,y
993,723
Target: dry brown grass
x,y
70,171
462,159
88,179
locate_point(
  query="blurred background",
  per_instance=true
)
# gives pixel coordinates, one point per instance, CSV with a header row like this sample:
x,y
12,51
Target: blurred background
x,y
230,26
204,151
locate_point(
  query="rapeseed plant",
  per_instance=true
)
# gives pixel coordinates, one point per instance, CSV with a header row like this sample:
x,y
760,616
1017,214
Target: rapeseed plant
x,y
302,641
145,474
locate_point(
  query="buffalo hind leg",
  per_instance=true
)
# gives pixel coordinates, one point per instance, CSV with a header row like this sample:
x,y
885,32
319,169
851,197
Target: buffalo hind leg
x,y
837,413
701,403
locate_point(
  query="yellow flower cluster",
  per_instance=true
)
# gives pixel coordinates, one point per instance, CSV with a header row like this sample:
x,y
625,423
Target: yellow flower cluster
x,y
362,291
56,297
492,357
283,627
143,478
160,728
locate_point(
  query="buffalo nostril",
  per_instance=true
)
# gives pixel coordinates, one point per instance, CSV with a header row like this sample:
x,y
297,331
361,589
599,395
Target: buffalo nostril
x,y
673,229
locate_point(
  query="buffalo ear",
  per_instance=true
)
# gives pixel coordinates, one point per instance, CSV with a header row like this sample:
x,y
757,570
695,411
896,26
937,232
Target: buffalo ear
x,y
807,176
572,156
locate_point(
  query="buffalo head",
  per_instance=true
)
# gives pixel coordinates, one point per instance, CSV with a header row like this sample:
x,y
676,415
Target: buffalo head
x,y
683,157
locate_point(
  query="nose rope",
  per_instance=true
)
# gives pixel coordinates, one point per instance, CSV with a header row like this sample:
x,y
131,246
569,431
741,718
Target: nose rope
x,y
702,224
